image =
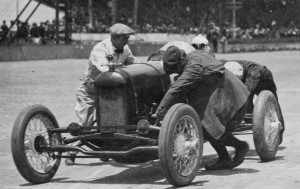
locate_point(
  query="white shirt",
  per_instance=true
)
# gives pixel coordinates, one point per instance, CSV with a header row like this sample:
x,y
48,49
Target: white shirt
x,y
99,59
105,48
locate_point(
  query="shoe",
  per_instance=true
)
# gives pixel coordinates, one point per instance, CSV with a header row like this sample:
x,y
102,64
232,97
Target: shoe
x,y
220,165
240,153
70,160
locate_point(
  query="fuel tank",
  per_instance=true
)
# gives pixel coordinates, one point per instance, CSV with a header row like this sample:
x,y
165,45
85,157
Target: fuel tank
x,y
124,94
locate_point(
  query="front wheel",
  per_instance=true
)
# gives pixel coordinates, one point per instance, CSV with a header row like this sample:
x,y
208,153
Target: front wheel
x,y
267,125
29,137
180,144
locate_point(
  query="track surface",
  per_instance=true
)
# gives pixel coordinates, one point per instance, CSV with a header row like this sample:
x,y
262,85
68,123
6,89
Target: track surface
x,y
53,82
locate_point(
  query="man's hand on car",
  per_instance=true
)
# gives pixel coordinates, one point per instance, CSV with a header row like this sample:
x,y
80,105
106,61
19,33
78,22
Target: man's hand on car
x,y
158,119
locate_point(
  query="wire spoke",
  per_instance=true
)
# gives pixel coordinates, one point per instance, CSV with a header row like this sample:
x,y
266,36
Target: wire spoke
x,y
185,155
37,127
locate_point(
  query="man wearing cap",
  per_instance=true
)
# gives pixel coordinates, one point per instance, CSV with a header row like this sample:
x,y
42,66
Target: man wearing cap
x,y
218,96
255,77
115,49
200,42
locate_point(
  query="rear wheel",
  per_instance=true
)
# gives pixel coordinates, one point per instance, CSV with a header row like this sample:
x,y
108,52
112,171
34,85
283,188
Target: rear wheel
x,y
180,144
29,138
267,125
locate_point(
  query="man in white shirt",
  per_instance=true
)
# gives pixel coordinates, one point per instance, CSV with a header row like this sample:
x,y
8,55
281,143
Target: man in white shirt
x,y
114,49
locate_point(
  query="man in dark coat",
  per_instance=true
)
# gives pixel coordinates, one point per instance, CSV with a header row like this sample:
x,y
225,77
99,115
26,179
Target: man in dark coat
x,y
255,77
217,95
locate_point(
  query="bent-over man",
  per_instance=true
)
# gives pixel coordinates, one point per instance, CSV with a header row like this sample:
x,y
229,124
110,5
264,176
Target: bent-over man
x,y
256,78
217,95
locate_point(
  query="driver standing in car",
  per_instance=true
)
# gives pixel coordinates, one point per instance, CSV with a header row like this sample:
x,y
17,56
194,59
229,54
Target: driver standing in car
x,y
115,49
217,95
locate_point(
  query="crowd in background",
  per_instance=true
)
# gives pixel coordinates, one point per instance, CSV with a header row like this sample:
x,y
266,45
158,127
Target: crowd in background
x,y
44,32
249,33
255,20
159,18
20,33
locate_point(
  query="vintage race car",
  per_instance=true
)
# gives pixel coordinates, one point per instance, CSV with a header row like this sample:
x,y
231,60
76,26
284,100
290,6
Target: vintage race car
x,y
125,131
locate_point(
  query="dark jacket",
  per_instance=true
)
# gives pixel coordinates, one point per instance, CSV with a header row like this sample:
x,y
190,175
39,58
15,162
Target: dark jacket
x,y
257,78
215,93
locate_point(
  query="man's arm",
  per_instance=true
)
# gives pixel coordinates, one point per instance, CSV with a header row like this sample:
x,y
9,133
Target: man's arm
x,y
130,59
98,57
189,79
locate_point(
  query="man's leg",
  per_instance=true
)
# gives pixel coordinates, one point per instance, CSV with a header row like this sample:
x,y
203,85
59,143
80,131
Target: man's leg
x,y
84,110
241,147
227,139
224,161
84,106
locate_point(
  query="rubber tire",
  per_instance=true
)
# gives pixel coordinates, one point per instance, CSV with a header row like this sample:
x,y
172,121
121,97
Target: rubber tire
x,y
165,144
259,112
17,144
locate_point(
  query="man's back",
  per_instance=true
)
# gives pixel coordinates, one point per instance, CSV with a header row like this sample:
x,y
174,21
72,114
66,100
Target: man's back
x,y
205,60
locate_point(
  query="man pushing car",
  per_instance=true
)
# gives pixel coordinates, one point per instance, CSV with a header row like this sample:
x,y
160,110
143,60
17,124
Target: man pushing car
x,y
217,95
256,78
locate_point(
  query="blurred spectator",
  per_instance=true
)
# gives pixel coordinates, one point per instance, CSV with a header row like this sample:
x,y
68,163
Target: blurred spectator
x,y
213,35
42,33
34,33
22,33
4,31
223,41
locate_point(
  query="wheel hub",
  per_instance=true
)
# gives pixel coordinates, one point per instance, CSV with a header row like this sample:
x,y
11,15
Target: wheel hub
x,y
272,128
40,144
186,144
180,145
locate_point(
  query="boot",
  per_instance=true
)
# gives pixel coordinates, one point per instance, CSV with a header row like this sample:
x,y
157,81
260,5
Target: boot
x,y
240,153
224,161
241,148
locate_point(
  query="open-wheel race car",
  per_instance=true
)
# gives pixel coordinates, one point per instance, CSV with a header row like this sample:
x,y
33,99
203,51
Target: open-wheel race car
x,y
123,129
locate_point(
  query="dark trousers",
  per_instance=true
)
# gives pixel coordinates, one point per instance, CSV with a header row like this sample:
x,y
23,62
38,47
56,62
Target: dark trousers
x,y
227,139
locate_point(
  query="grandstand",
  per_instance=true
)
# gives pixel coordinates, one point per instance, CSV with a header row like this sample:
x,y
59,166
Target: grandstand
x,y
9,9
64,21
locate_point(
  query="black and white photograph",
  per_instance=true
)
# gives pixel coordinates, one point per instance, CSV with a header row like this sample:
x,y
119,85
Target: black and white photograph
x,y
150,94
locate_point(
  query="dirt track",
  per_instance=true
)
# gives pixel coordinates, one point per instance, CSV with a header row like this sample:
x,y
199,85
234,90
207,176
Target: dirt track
x,y
52,83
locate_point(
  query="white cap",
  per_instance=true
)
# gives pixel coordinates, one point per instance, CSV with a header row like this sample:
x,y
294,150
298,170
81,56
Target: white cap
x,y
235,68
200,39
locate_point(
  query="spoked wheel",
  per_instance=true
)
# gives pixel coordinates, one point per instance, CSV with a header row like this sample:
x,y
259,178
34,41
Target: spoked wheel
x,y
180,144
267,125
28,142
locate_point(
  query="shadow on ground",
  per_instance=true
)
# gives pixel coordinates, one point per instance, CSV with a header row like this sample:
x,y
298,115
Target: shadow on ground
x,y
151,173
146,173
